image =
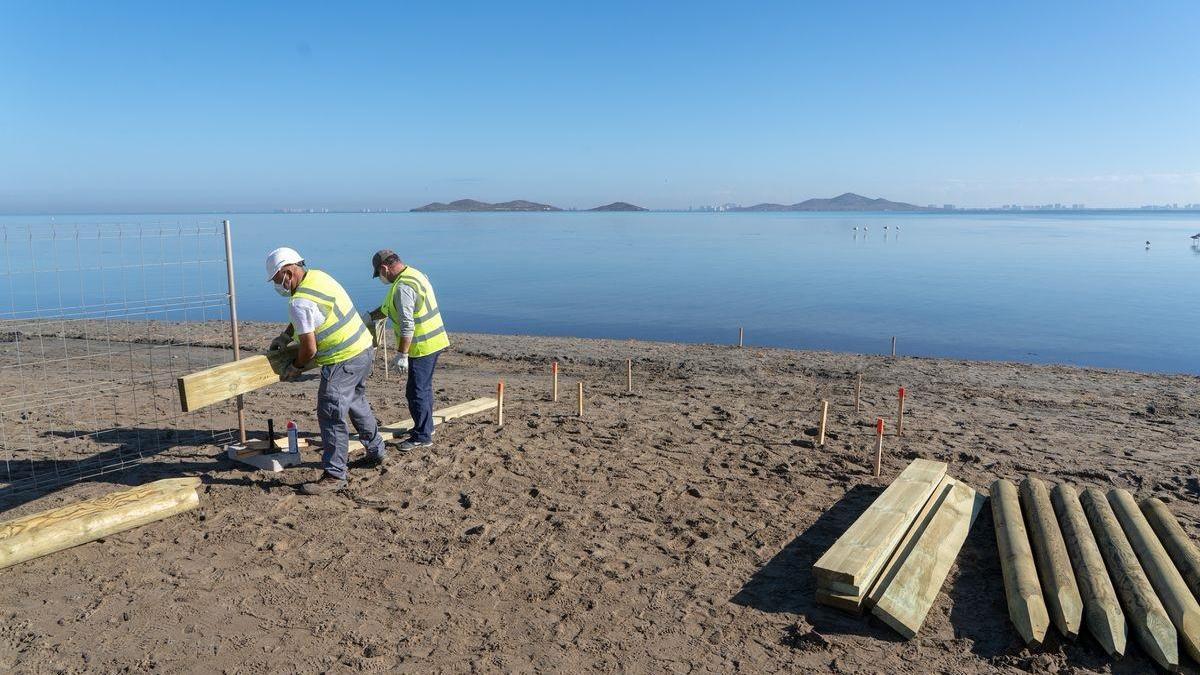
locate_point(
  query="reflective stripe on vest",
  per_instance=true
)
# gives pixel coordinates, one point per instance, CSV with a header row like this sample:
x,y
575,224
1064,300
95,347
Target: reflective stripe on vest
x,y
429,333
342,335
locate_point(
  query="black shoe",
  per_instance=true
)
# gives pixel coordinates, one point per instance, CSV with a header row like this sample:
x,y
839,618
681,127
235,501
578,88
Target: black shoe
x,y
324,485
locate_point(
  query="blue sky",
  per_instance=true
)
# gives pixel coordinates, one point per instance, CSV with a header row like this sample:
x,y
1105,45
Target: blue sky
x,y
127,106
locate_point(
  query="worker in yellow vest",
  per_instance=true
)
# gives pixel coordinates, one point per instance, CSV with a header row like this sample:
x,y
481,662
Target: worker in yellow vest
x,y
420,337
329,331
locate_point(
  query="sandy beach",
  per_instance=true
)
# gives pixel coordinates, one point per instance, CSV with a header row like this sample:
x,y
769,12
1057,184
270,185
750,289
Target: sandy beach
x,y
671,529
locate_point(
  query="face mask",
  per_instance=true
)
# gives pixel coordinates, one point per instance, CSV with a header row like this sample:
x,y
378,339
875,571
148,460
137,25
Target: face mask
x,y
282,290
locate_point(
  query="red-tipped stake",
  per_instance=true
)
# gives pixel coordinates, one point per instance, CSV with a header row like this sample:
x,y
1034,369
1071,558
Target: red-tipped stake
x,y
500,403
900,415
878,444
554,381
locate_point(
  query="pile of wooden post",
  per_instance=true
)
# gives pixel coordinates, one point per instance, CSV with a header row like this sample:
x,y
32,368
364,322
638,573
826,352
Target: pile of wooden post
x,y
894,559
1085,557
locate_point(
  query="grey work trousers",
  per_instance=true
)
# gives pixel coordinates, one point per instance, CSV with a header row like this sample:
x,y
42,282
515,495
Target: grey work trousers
x,y
343,394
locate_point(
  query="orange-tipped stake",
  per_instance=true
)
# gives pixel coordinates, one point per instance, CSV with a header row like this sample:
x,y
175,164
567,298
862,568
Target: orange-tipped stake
x,y
500,403
824,418
554,381
900,415
878,444
581,398
629,376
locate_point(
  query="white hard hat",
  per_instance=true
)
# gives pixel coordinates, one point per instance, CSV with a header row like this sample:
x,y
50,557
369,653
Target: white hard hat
x,y
279,257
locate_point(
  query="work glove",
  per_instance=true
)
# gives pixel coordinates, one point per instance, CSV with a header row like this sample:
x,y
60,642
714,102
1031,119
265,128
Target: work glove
x,y
291,373
400,362
281,341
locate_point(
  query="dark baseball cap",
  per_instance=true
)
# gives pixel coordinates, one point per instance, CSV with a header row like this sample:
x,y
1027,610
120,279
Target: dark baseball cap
x,y
381,256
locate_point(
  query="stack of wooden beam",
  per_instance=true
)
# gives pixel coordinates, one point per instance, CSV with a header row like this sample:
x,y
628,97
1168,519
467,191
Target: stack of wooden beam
x,y
1085,557
895,557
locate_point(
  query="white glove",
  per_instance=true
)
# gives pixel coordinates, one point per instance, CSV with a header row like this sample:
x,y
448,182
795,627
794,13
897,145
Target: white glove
x,y
281,341
400,362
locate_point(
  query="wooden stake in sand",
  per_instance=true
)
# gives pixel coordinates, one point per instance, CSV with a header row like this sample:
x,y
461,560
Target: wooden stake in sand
x,y
741,336
500,403
900,415
554,381
878,444
629,376
581,398
857,391
824,418
74,524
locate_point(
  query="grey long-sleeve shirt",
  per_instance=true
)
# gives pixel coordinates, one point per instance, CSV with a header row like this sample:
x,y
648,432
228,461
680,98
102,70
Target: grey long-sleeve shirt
x,y
404,300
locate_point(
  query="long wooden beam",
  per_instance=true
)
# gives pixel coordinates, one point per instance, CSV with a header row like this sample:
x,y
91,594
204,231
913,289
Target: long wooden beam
x,y
1101,608
1166,580
858,556
219,383
1176,541
38,534
912,589
1026,607
1053,562
1144,612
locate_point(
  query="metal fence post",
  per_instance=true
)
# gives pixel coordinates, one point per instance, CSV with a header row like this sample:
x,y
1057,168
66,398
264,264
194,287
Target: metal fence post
x,y
233,321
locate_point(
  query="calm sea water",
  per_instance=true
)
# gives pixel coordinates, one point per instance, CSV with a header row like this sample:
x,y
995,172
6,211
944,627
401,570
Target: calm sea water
x,y
1070,288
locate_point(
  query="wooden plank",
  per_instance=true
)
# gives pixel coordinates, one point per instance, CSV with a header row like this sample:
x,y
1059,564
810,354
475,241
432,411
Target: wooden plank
x,y
1054,564
858,556
1175,540
1143,610
912,589
389,432
1026,607
38,534
910,539
1156,562
219,383
1101,608
847,603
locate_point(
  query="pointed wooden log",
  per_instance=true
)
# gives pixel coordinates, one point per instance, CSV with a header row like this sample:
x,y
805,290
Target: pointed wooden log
x,y
38,534
1176,541
911,589
1026,607
1166,580
1143,610
1053,563
858,556
1101,608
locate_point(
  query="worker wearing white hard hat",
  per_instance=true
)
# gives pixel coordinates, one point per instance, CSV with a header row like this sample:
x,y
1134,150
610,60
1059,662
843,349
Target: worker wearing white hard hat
x,y
330,334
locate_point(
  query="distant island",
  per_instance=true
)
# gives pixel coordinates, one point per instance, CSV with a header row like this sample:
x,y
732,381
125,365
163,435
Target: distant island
x,y
475,206
619,206
844,202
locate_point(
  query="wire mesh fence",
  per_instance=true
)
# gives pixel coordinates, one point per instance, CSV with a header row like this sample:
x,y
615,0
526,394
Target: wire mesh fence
x,y
96,324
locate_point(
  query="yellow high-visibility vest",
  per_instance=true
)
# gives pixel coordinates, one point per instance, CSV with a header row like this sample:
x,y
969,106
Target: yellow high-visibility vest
x,y
429,333
342,335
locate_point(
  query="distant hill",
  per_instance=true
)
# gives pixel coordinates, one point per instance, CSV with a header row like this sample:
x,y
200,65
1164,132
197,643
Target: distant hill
x,y
844,202
619,206
473,205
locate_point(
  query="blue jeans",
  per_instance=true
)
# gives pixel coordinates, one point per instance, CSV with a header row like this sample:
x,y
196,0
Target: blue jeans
x,y
343,393
419,392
